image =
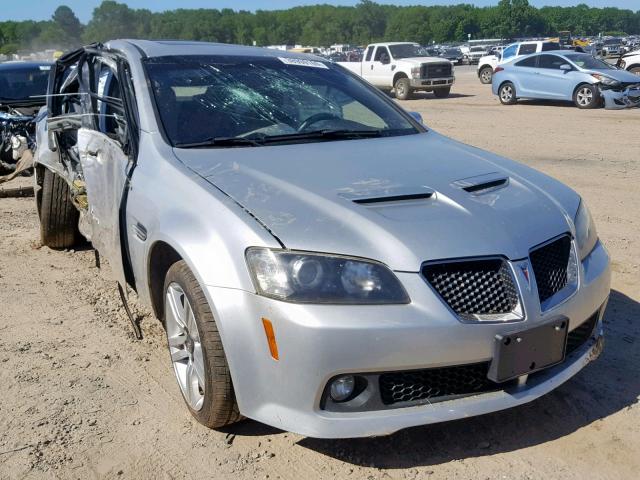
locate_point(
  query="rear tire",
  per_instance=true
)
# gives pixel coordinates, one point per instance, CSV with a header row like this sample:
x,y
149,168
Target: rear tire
x,y
507,94
215,404
403,88
442,92
486,75
587,96
635,70
58,215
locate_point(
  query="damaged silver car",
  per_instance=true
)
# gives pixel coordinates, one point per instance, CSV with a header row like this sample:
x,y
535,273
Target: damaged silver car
x,y
321,260
23,86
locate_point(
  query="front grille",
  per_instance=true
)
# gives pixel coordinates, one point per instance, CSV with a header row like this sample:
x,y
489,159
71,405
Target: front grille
x,y
432,383
549,264
435,70
579,336
474,287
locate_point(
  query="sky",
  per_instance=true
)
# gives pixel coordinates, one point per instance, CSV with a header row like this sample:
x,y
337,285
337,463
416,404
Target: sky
x,y
43,9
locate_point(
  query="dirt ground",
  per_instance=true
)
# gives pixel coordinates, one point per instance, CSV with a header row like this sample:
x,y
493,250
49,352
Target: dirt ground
x,y
80,398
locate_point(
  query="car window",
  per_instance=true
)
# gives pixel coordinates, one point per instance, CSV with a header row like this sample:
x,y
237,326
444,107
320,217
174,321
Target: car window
x,y
510,51
202,97
527,48
587,61
527,62
381,52
407,50
110,109
369,53
22,82
552,62
549,46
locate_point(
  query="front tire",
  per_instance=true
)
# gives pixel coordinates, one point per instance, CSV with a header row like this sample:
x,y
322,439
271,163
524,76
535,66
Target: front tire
x,y
58,215
507,94
486,75
195,346
403,88
635,70
442,92
586,96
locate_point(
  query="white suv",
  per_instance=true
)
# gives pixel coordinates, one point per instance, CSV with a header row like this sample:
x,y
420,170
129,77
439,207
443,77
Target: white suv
x,y
630,62
488,63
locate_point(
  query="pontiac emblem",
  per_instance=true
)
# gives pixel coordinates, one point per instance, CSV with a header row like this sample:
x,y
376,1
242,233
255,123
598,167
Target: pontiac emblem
x,y
525,272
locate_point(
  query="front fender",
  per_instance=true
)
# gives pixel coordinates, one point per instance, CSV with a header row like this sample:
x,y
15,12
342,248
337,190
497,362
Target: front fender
x,y
169,203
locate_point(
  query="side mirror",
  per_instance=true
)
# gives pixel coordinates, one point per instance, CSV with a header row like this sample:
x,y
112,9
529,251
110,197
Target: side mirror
x,y
417,117
385,60
565,67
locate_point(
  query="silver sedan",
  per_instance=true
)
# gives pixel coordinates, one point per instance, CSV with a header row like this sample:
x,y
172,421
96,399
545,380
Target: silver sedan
x,y
321,260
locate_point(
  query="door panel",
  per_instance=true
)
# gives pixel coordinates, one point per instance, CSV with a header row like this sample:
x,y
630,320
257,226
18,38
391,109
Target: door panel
x,y
380,74
552,82
104,165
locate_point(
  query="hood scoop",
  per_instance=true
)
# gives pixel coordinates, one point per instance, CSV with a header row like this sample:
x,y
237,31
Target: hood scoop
x,y
388,195
481,184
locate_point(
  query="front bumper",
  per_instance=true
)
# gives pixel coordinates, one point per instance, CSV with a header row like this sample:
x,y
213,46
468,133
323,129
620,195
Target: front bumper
x,y
621,99
429,83
318,342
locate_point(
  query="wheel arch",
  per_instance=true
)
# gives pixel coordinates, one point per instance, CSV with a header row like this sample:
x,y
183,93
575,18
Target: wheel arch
x,y
161,256
581,84
486,65
398,76
634,65
507,80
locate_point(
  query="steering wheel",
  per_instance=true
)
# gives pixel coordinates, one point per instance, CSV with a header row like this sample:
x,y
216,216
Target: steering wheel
x,y
315,118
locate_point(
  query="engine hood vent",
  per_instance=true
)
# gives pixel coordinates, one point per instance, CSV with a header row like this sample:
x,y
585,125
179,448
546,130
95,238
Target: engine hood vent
x,y
389,195
482,183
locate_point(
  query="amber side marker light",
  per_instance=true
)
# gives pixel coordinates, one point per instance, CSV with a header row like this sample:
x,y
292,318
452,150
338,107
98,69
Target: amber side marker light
x,y
271,338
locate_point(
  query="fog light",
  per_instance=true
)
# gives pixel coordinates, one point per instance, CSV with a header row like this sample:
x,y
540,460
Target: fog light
x,y
342,388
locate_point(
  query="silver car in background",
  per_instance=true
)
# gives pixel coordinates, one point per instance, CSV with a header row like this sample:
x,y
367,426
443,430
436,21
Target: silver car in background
x,y
322,262
566,75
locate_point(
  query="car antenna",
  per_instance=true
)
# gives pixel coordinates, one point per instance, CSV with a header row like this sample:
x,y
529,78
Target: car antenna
x,y
136,328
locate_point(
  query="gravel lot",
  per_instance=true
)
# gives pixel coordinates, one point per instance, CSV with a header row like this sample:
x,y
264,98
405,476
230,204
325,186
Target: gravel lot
x,y
82,399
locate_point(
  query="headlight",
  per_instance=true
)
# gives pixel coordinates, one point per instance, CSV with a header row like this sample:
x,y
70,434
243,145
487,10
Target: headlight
x,y
586,235
415,72
303,277
604,80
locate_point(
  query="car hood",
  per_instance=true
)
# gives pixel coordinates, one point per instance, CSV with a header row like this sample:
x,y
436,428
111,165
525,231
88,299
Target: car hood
x,y
328,197
620,75
421,60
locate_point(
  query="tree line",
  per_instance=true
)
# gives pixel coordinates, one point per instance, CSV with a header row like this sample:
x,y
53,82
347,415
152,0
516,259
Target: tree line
x,y
318,25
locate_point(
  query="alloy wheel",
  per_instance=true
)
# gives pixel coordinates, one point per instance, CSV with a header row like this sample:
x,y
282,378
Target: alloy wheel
x,y
584,96
486,76
185,346
506,93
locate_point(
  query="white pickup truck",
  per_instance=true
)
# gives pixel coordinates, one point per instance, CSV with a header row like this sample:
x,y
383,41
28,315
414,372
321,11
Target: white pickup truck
x,y
404,67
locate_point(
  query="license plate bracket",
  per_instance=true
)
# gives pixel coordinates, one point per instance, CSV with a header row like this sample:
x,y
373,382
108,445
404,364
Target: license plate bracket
x,y
527,351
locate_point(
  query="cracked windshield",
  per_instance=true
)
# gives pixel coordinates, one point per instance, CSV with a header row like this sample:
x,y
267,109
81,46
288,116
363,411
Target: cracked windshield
x,y
214,99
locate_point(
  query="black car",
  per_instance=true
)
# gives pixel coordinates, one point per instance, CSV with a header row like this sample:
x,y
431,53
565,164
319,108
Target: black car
x,y
23,86
454,55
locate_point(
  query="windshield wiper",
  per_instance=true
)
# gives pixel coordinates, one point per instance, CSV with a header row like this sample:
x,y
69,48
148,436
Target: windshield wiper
x,y
259,140
223,142
322,134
